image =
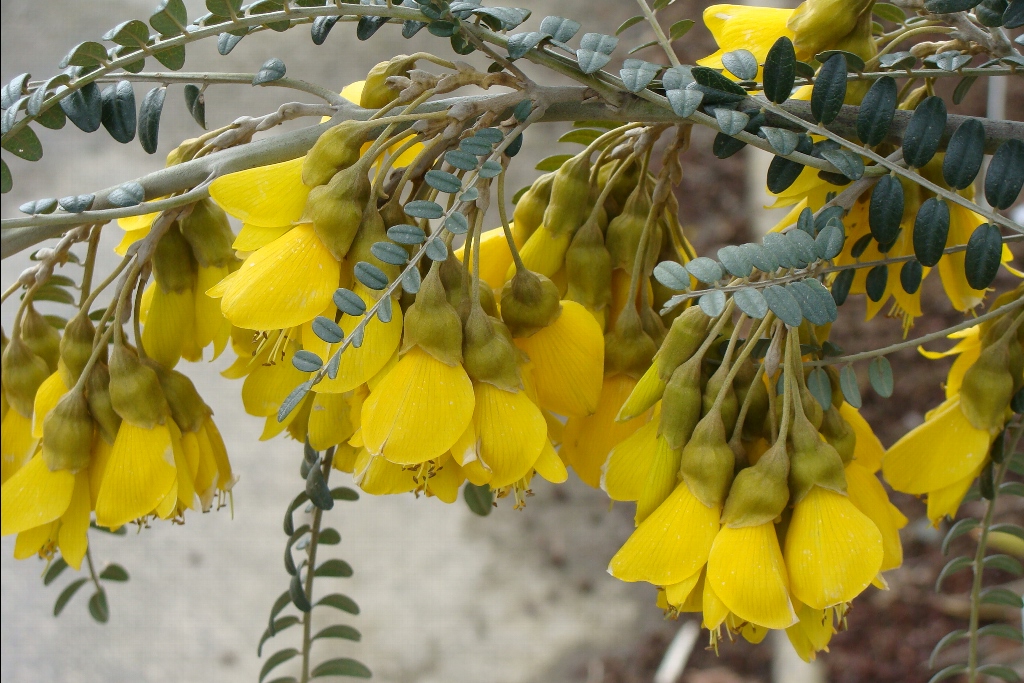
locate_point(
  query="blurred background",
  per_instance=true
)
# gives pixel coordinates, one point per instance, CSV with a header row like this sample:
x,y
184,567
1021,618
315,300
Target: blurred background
x,y
446,596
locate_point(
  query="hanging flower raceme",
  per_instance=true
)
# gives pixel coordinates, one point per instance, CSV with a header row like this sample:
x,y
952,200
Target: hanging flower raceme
x,y
942,457
757,502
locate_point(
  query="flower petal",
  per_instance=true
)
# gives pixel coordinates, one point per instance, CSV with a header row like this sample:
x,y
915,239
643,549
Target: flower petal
x,y
266,195
511,433
73,535
34,496
587,441
748,573
138,476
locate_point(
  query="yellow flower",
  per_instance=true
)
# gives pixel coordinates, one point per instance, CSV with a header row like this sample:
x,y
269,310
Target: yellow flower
x,y
814,630
833,550
748,573
419,410
567,363
737,27
16,442
672,544
588,440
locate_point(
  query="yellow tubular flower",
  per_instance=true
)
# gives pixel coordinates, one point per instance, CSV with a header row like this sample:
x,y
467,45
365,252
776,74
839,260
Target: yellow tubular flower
x,y
506,436
813,632
419,410
588,440
284,284
672,544
624,473
748,573
495,257
138,476
567,362
833,550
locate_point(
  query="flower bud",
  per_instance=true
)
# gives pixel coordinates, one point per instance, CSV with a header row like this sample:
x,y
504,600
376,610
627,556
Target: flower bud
x,y
100,405
23,372
684,337
336,149
135,390
67,434
76,347
759,494
813,462
569,204
653,325
588,267
336,209
208,232
173,266
708,462
188,410
529,302
529,212
40,336
488,353
626,230
839,434
628,348
988,386
376,92
812,409
681,404
432,323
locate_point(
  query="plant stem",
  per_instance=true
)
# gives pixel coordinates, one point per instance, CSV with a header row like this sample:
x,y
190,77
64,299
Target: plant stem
x,y
314,540
92,569
979,555
663,40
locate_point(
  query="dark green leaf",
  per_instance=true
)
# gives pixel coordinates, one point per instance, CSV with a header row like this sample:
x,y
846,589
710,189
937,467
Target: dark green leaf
x,y
877,111
875,284
957,564
1013,17
829,242
984,251
298,594
38,207
815,301
329,537
889,12
782,173
25,144
339,602
924,131
370,275
317,489
173,56
705,269
931,228
717,88
780,71
735,261
306,361
672,275
960,92
334,568
945,641
390,253
132,33
276,660
1002,631
725,146
521,43
829,89
328,330
339,631
802,245
848,383
949,6
783,305
293,399
841,286
850,164
559,28
880,374
751,302
14,90
948,672
114,572
680,29
6,181
480,499
854,62
783,141
54,570
322,27
712,303
1001,596
632,21
1005,175
961,527
964,154
149,118
731,121
66,595
119,111
84,107
684,101
341,667
170,18
742,64
436,250
998,670
98,608
279,625
910,276
89,53
886,209
552,163
591,60
272,70
1004,563
457,224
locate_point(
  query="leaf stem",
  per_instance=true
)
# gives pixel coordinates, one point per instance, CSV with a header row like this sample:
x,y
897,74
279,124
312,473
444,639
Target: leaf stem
x,y
314,541
663,40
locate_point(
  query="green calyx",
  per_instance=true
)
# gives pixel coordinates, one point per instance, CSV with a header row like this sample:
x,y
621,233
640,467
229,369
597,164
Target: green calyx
x,y
588,267
988,386
432,323
188,410
529,212
708,463
839,434
488,353
529,302
569,204
135,391
67,434
23,372
814,462
100,404
760,493
625,231
376,92
681,404
333,151
76,347
174,268
208,232
336,209
684,337
40,336
628,348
